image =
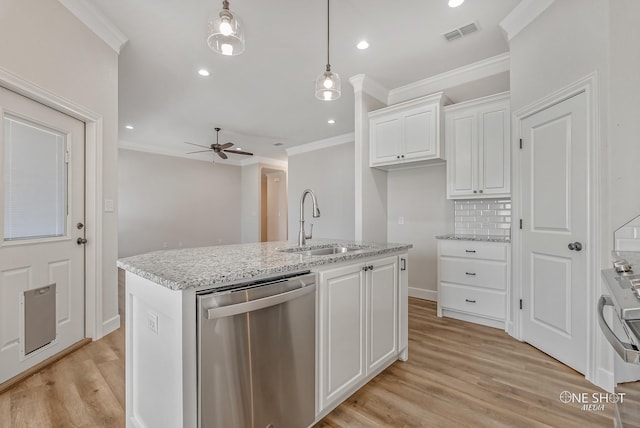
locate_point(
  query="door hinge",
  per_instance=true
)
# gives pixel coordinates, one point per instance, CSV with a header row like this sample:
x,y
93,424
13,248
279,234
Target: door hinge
x,y
521,143
520,223
520,303
67,152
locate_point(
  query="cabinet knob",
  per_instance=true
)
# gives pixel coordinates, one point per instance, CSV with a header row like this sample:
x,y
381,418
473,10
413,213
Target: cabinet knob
x,y
470,273
480,191
469,301
398,157
475,191
402,156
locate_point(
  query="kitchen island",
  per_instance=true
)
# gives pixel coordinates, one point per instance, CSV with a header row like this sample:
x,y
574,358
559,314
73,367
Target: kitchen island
x,y
360,317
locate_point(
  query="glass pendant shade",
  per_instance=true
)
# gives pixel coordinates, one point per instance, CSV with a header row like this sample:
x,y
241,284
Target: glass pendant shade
x,y
328,86
226,32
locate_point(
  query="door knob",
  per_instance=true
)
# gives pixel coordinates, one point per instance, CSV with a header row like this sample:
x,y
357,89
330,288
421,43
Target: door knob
x,y
575,246
81,241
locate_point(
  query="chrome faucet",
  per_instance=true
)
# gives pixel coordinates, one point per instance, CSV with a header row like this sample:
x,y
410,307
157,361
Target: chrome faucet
x,y
302,236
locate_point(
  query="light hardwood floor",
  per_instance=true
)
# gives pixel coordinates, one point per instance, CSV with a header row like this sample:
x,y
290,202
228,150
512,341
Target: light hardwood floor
x,y
458,375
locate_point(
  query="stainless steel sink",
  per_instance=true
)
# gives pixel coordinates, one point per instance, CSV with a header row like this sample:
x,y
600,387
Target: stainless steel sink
x,y
322,251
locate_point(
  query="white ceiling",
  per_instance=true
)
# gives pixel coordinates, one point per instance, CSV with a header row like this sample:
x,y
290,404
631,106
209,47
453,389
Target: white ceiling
x,y
266,95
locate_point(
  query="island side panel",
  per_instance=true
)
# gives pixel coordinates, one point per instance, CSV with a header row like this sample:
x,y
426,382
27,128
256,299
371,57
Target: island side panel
x,y
160,355
403,308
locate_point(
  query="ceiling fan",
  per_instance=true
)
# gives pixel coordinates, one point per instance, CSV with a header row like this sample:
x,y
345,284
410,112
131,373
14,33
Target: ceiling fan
x,y
218,148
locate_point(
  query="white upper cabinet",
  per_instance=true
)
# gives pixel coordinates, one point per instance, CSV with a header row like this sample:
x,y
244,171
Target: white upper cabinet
x,y
478,136
407,133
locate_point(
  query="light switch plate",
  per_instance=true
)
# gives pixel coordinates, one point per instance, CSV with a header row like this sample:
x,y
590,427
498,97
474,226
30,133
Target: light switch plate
x,y
108,205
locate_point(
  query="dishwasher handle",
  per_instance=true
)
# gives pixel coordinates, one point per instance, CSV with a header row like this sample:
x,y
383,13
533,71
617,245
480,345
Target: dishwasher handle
x,y
254,305
628,352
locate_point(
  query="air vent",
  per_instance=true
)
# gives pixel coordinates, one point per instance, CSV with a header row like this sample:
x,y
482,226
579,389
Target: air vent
x,y
458,33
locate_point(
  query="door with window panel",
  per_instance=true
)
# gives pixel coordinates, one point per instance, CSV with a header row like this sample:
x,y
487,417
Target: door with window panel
x,y
41,233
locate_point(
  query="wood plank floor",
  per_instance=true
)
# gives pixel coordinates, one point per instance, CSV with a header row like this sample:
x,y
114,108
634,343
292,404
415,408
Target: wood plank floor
x,y
458,375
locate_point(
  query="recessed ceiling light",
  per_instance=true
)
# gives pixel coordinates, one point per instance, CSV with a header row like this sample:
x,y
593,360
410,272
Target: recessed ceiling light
x,y
331,121
239,148
129,126
455,3
204,72
362,45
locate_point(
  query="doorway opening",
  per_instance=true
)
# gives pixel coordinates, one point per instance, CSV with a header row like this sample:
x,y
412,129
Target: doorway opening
x,y
273,205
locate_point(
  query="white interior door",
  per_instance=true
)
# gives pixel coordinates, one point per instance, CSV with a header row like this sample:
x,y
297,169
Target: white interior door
x,y
554,187
42,193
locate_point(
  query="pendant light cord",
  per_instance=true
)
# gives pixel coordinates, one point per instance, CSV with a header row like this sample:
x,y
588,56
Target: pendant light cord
x,y
328,19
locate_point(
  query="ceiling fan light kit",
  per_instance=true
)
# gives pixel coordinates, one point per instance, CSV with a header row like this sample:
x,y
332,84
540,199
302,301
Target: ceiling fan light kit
x,y
328,85
226,32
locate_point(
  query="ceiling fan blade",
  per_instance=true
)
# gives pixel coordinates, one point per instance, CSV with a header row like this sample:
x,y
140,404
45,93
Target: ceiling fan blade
x,y
222,155
239,152
199,151
186,142
226,146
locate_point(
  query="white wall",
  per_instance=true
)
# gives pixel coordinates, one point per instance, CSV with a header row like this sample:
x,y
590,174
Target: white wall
x,y
329,173
172,202
251,185
419,195
42,42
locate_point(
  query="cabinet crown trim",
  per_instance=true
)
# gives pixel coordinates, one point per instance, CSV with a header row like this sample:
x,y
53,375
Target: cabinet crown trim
x,y
437,98
502,96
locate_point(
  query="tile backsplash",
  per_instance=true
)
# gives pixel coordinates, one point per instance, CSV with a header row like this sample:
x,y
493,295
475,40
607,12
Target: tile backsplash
x,y
483,217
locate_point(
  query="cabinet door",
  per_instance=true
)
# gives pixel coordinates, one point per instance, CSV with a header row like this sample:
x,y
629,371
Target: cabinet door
x,y
461,137
494,150
419,133
382,312
342,332
386,137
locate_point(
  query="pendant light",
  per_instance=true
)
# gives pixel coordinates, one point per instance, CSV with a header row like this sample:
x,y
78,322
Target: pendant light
x,y
226,32
328,83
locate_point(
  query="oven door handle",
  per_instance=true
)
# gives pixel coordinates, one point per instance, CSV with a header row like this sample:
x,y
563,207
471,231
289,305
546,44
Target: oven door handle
x,y
628,352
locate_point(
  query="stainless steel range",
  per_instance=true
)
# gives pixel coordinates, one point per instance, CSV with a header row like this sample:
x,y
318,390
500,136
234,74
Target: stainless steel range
x,y
623,283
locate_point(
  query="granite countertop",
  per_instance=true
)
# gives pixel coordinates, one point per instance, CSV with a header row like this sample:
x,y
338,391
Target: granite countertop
x,y
218,266
633,257
458,237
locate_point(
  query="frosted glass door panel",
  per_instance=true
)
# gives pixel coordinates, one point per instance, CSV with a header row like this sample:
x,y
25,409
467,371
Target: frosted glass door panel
x,y
35,181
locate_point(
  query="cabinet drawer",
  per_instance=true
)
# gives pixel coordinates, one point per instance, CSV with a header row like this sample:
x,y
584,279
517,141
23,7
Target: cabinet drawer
x,y
479,273
473,250
472,300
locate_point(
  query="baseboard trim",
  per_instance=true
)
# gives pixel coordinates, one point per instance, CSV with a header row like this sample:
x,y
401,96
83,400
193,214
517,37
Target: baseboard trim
x,y
605,379
423,294
111,325
35,369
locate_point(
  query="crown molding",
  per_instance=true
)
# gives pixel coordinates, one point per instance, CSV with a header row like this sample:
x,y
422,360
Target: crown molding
x,y
264,161
363,83
97,22
458,76
321,144
156,150
523,15
503,96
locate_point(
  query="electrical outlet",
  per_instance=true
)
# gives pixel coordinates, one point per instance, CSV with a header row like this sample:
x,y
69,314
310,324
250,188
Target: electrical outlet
x,y
152,322
401,220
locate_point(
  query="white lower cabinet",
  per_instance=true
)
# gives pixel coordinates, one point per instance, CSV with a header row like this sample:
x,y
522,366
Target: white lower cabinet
x,y
473,281
362,311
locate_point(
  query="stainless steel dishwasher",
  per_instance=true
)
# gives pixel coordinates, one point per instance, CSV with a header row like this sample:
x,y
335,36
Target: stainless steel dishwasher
x,y
256,354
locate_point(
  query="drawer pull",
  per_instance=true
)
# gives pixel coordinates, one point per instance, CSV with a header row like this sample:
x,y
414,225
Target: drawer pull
x,y
469,301
470,273
470,251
